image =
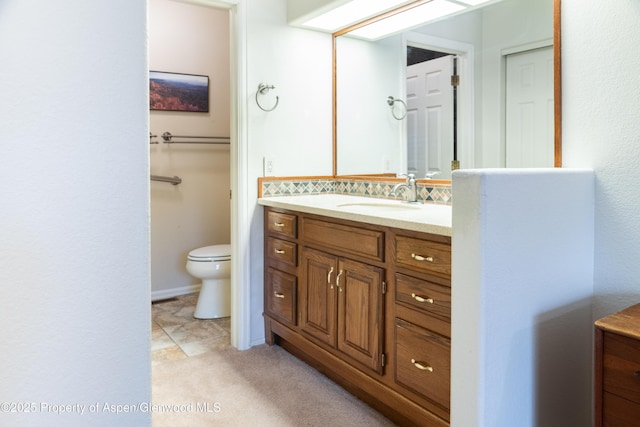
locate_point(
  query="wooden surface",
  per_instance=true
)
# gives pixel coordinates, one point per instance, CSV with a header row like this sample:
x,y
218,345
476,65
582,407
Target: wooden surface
x,y
625,322
617,369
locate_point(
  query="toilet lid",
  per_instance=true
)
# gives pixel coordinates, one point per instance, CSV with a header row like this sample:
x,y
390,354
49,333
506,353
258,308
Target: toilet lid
x,y
211,253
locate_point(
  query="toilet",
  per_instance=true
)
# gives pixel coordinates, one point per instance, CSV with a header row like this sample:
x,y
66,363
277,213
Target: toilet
x,y
212,265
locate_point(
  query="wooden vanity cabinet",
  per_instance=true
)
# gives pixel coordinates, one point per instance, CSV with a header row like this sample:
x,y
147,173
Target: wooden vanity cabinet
x,y
372,309
341,296
421,344
617,368
281,267
341,306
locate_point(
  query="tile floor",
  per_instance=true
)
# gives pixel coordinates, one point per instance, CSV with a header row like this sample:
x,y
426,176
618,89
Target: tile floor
x,y
176,334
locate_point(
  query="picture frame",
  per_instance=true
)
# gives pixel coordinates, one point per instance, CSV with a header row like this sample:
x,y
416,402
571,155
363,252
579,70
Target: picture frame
x,y
178,92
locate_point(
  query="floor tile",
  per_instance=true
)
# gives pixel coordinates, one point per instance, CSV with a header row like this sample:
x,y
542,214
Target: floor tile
x,y
176,334
170,353
194,348
194,331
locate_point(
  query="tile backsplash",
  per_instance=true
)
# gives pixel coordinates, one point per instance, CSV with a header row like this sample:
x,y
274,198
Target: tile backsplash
x,y
435,192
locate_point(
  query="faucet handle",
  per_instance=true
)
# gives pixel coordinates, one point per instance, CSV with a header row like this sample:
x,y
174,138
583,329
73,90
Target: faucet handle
x,y
410,177
430,175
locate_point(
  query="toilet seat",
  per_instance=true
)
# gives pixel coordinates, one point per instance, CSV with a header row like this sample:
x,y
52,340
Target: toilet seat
x,y
213,253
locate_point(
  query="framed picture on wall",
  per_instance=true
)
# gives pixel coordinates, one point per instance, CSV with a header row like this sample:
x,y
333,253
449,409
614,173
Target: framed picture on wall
x,y
178,92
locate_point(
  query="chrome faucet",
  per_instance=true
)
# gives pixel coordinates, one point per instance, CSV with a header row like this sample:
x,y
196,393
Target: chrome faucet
x,y
430,175
411,191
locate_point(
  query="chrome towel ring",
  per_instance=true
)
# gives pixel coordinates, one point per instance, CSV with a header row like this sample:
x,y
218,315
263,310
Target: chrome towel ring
x,y
263,89
392,102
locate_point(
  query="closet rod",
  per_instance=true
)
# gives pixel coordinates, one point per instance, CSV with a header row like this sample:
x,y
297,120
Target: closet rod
x,y
174,180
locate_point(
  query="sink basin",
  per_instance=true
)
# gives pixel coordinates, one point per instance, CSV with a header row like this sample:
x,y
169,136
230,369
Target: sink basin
x,y
378,207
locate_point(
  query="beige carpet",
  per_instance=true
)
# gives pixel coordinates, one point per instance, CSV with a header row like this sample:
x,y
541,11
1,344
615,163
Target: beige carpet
x,y
263,386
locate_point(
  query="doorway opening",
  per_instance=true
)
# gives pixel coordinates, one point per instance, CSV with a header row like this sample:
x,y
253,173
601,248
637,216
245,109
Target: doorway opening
x,y
193,39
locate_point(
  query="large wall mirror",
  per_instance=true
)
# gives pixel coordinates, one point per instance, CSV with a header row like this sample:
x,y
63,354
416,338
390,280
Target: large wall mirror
x,y
398,110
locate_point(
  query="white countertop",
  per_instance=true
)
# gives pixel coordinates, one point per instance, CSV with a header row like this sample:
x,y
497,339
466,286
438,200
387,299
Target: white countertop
x,y
427,217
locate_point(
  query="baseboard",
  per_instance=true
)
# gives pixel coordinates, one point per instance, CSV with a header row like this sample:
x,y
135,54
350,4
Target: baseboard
x,y
174,292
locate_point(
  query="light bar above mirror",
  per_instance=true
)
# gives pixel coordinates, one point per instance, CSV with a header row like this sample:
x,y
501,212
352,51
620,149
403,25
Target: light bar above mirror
x,y
333,15
416,16
330,16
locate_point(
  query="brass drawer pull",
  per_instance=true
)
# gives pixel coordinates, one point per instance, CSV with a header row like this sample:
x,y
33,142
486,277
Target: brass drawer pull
x,y
422,258
278,251
422,299
421,365
278,295
329,278
278,224
338,280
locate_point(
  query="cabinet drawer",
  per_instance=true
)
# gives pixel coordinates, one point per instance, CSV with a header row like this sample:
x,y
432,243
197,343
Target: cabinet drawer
x,y
282,250
423,295
424,255
423,362
617,411
283,224
281,295
621,363
356,240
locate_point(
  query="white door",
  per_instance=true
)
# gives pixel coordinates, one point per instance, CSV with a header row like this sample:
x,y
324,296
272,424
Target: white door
x,y
529,109
430,117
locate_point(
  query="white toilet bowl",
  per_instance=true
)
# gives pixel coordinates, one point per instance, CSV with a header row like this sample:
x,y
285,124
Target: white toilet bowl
x,y
212,264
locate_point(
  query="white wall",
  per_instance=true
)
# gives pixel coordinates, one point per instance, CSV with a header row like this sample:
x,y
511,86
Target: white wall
x,y
190,39
298,132
522,283
298,62
601,103
74,225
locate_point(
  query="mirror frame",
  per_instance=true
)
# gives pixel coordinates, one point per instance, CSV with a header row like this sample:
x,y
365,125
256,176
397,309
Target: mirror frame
x,y
557,78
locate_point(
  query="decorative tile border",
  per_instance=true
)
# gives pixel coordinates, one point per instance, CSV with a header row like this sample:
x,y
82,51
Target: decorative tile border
x,y
296,187
379,188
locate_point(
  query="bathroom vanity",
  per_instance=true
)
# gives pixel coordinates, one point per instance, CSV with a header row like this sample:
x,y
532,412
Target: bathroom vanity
x,y
518,326
361,289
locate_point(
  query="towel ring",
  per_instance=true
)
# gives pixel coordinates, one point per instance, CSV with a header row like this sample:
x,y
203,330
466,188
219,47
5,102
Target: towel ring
x,y
392,102
263,89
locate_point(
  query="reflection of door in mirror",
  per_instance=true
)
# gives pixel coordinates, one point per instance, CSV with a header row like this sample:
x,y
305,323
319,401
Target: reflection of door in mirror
x,y
529,108
370,141
430,112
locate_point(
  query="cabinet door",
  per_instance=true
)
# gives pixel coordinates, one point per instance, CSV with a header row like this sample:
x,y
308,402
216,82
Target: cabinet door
x,y
318,295
360,312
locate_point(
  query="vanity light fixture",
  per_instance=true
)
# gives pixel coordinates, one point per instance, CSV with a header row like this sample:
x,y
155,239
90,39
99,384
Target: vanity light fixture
x,y
473,2
350,13
416,16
